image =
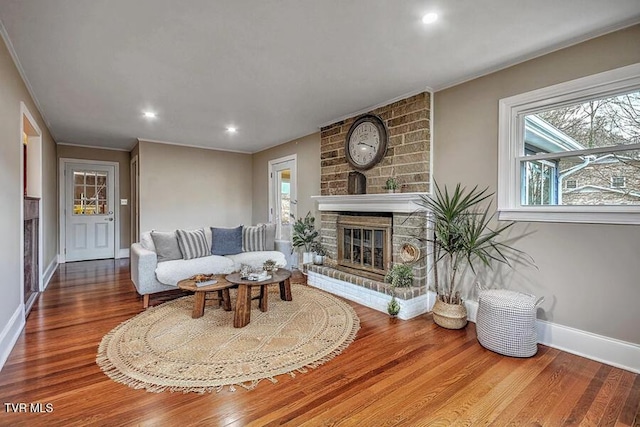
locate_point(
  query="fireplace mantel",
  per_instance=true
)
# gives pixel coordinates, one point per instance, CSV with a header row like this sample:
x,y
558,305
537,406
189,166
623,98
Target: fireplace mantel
x,y
387,202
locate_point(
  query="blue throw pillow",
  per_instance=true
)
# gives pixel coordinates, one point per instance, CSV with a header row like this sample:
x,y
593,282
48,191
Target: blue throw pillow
x,y
226,241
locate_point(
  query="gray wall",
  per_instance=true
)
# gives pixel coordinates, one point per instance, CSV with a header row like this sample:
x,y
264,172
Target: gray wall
x,y
13,92
182,187
123,159
589,274
307,150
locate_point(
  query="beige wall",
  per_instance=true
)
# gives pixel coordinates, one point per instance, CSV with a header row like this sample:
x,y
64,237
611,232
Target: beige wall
x,y
123,159
13,92
588,274
182,187
307,150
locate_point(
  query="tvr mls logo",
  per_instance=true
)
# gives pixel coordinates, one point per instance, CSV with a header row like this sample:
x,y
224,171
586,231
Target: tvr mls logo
x,y
29,408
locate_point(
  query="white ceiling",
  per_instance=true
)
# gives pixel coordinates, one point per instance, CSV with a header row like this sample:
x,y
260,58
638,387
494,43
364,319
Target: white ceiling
x,y
276,69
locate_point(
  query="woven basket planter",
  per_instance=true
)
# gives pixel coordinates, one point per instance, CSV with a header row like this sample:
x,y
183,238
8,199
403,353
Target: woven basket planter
x,y
450,316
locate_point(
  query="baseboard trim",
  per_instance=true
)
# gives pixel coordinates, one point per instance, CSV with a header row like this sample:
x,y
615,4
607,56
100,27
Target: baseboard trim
x,y
48,272
123,253
10,334
120,253
621,354
610,351
378,301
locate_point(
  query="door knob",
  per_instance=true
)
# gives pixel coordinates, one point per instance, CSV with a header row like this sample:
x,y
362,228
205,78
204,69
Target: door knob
x,y
108,219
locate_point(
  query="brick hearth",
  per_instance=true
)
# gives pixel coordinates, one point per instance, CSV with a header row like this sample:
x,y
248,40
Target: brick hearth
x,y
374,285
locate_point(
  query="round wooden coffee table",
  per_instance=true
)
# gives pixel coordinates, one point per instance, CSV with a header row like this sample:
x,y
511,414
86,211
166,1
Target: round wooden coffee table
x,y
221,288
242,316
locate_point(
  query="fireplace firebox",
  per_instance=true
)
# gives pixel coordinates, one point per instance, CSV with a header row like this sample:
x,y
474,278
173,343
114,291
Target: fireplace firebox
x,y
364,244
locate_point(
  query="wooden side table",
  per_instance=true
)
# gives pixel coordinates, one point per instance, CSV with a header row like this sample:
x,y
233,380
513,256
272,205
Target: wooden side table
x,y
242,315
221,288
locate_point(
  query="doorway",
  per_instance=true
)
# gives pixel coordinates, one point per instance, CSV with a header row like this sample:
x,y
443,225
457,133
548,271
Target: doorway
x,y
135,200
31,190
283,195
89,215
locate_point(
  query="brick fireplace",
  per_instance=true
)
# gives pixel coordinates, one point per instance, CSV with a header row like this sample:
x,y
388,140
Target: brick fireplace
x,y
375,243
408,151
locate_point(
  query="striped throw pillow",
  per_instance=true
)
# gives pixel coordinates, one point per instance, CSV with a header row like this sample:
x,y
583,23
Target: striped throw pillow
x,y
193,244
253,238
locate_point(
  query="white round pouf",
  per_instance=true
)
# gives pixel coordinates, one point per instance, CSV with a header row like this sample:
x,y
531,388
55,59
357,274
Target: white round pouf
x,y
506,322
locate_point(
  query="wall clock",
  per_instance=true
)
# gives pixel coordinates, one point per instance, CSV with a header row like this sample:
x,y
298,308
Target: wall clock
x,y
366,142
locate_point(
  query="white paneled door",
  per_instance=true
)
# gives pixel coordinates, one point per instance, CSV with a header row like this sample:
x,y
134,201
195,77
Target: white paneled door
x,y
89,211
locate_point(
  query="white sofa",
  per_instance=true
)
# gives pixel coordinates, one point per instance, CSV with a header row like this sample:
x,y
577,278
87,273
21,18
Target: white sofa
x,y
150,276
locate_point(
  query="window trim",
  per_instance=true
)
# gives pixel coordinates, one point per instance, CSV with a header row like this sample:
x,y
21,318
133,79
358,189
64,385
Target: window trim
x,y
510,144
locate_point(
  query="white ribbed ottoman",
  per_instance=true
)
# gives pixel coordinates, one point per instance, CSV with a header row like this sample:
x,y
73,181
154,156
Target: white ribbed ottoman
x,y
506,322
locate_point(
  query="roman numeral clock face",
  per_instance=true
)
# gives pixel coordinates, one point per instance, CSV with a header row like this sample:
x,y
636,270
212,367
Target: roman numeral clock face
x,y
366,142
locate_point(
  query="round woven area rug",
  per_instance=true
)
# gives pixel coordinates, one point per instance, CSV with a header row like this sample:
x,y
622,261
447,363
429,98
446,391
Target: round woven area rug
x,y
163,348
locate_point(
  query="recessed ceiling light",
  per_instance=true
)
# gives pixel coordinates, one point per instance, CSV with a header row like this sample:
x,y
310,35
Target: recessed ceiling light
x,y
232,129
430,18
150,115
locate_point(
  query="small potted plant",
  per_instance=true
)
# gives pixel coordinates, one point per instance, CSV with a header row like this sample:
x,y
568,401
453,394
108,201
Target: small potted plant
x,y
319,252
304,234
391,185
269,266
393,308
400,276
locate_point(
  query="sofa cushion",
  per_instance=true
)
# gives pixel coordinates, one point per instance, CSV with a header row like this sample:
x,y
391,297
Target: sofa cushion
x,y
253,238
256,259
269,236
193,244
147,241
171,272
207,234
226,241
166,245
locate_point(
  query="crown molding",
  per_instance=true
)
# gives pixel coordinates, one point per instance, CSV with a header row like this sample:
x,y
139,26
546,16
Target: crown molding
x,y
541,52
381,104
191,146
18,65
70,144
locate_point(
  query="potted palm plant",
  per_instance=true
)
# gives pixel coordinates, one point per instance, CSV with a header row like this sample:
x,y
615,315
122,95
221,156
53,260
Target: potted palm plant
x,y
304,234
462,236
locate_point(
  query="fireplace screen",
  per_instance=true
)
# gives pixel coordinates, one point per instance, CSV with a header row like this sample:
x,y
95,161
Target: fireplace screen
x,y
365,244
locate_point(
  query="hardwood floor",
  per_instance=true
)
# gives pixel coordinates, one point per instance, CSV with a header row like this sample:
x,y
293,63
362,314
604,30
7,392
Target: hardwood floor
x,y
409,373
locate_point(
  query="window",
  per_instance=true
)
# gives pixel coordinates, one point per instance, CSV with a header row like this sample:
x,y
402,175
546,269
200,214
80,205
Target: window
x,y
617,182
586,130
540,183
90,193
